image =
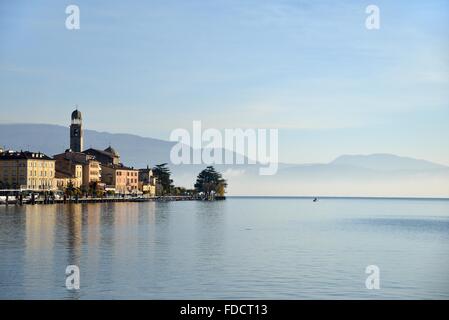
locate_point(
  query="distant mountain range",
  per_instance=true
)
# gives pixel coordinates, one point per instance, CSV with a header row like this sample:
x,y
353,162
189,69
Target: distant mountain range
x,y
386,162
54,139
347,175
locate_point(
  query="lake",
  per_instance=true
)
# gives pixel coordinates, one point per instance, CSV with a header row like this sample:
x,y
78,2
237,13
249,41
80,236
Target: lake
x,y
240,248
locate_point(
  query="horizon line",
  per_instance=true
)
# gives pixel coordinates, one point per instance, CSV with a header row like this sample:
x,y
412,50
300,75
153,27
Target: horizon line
x,y
344,197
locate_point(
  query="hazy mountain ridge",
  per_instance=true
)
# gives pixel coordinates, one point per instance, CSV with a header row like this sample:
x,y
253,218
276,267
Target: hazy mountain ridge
x,y
360,175
386,162
52,139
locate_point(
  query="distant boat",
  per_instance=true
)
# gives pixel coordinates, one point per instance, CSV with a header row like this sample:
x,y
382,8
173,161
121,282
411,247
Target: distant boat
x,y
315,199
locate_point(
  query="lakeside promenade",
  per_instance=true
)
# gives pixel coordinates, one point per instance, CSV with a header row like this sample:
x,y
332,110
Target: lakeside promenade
x,y
41,201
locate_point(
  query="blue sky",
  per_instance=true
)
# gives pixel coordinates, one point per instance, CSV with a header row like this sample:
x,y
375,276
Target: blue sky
x,y
309,68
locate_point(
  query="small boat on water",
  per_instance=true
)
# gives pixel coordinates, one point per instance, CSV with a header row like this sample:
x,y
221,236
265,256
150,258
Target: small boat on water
x,y
315,199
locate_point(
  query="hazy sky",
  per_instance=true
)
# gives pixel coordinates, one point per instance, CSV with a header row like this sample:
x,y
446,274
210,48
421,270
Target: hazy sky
x,y
309,68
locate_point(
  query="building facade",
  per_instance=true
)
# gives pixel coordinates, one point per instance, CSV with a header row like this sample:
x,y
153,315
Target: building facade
x,y
147,182
64,180
91,168
68,173
107,156
27,171
123,180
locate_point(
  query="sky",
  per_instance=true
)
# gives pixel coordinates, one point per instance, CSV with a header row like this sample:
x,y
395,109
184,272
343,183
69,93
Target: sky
x,y
308,68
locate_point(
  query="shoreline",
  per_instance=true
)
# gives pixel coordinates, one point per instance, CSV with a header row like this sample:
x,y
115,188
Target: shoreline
x,y
104,200
194,198
339,197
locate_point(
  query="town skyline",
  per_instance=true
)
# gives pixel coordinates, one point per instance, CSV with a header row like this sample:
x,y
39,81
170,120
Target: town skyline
x,y
75,171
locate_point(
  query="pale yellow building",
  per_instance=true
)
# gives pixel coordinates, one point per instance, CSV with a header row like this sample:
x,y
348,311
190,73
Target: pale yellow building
x,y
91,169
26,170
68,173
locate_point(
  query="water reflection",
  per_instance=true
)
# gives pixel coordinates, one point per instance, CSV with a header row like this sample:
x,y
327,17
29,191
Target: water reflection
x,y
39,247
74,222
92,221
12,253
249,248
210,225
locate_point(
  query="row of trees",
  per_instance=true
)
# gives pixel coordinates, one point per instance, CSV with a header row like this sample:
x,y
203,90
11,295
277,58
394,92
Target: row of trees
x,y
209,183
93,190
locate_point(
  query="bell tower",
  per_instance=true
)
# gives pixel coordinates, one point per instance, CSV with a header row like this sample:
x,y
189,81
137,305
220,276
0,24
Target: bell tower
x,y
76,132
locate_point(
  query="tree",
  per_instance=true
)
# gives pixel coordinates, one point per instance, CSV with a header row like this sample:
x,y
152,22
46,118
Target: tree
x,y
162,174
93,188
210,183
70,189
178,191
181,191
84,191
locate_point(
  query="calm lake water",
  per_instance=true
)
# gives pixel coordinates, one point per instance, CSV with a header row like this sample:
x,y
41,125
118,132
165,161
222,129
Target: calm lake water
x,y
262,248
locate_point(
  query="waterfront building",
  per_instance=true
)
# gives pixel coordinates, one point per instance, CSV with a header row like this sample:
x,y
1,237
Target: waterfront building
x,y
107,156
64,180
76,132
121,179
115,175
91,170
147,181
26,170
68,173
